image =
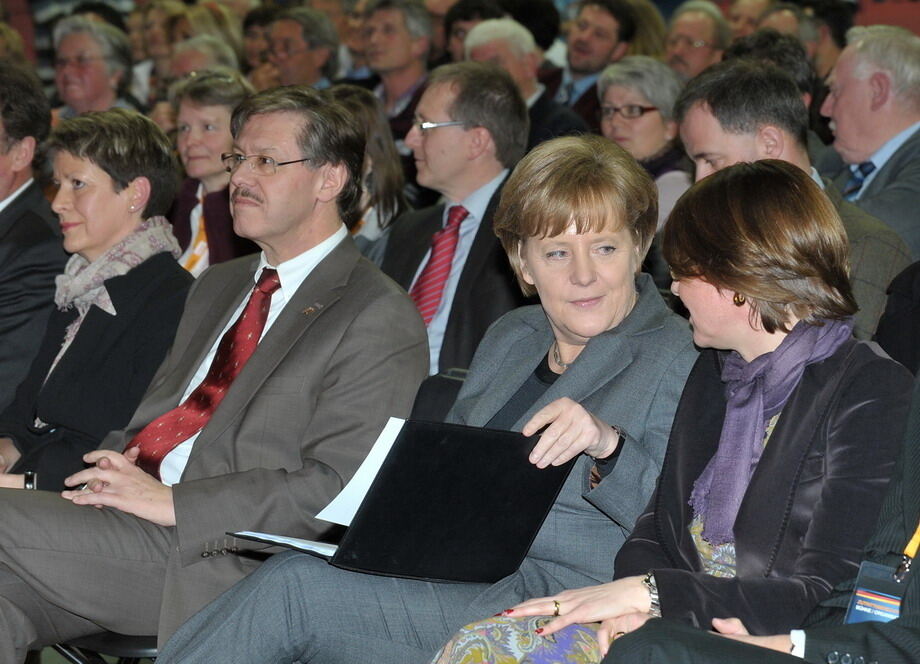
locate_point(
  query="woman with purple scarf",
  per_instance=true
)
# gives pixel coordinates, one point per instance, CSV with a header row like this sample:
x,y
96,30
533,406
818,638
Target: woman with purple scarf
x,y
781,449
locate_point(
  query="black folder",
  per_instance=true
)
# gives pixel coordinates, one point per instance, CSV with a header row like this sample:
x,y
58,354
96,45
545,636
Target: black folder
x,y
451,503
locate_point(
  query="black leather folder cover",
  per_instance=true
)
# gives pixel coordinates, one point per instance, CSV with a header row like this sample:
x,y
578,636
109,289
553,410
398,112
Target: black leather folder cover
x,y
451,503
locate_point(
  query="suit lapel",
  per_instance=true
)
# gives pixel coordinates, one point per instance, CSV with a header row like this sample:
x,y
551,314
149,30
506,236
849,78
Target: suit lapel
x,y
407,247
319,291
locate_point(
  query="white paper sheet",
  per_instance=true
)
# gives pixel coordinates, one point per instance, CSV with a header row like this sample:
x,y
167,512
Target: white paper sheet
x,y
322,548
343,507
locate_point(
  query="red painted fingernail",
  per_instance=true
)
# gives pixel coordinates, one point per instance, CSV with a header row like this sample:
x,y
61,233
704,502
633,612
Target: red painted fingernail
x,y
508,612
538,630
496,615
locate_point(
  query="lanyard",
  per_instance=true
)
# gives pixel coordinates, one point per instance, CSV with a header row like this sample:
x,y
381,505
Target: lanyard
x,y
910,551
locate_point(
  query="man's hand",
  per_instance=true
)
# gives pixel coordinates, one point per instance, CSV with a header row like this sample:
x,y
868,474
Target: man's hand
x,y
733,628
116,481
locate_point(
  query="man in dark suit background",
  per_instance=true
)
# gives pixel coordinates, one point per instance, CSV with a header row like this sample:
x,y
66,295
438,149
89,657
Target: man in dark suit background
x,y
599,36
30,244
334,350
508,44
470,129
824,639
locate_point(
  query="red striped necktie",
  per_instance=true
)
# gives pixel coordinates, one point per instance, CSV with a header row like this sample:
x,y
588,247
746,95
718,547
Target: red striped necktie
x,y
166,432
428,289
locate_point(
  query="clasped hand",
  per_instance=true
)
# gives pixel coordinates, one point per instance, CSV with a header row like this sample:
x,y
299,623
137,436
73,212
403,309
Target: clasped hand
x,y
570,430
116,481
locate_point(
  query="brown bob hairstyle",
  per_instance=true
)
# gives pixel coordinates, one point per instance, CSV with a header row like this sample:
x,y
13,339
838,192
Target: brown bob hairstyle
x,y
767,231
583,180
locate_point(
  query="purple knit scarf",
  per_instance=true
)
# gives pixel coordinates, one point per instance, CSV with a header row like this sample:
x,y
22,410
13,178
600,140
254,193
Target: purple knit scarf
x,y
755,392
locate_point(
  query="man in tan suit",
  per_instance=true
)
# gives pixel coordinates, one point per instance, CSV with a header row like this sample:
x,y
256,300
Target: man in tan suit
x,y
342,349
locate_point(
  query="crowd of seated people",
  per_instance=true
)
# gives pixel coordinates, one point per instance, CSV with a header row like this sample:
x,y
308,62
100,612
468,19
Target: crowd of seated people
x,y
676,244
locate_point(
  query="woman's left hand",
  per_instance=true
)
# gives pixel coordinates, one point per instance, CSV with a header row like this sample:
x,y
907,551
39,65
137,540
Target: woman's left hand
x,y
588,605
571,430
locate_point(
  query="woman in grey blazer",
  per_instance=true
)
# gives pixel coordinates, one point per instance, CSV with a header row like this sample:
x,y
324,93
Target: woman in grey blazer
x,y
600,365
781,448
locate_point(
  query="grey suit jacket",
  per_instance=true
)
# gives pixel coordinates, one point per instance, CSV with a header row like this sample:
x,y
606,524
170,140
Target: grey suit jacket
x,y
31,257
347,352
877,255
893,193
631,377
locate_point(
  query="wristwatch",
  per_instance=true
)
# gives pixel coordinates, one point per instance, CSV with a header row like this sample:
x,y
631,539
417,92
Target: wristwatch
x,y
648,581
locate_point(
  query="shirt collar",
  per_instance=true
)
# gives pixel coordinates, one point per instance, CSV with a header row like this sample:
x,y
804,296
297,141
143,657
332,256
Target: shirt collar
x,y
12,197
536,95
294,271
884,153
582,84
817,178
477,202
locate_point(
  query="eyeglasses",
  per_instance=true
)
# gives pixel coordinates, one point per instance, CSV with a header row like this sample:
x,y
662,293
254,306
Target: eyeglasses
x,y
684,40
424,125
258,163
80,62
629,111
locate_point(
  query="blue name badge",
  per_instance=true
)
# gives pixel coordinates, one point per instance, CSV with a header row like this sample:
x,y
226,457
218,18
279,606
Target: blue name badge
x,y
877,596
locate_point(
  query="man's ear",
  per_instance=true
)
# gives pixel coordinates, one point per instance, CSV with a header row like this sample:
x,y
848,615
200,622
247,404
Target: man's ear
x,y
333,178
23,153
479,142
619,51
771,142
880,85
139,190
420,47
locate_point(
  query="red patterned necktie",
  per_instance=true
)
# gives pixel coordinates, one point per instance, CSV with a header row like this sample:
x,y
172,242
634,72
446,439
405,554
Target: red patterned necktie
x,y
427,291
166,432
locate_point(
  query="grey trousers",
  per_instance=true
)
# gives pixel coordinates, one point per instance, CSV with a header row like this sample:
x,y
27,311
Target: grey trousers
x,y
69,570
298,608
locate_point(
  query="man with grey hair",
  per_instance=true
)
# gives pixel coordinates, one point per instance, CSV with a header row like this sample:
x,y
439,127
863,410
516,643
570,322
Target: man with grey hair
x,y
508,44
874,107
697,36
304,47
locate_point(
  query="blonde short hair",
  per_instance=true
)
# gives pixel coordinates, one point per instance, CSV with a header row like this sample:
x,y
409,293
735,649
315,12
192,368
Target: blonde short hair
x,y
586,180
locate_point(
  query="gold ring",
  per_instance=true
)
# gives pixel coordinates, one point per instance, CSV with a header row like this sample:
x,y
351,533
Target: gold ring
x,y
618,635
557,605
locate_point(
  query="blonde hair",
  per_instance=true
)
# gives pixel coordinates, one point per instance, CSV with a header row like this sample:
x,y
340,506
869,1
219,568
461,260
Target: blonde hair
x,y
583,180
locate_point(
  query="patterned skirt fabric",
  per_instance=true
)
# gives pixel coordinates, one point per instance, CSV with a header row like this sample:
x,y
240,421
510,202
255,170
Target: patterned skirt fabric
x,y
505,640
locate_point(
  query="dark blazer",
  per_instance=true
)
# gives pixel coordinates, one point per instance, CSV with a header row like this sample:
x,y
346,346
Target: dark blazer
x,y
588,106
877,255
826,638
100,380
550,119
223,243
892,194
899,327
31,257
811,504
487,287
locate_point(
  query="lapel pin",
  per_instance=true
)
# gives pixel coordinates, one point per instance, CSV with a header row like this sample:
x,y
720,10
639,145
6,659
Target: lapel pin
x,y
310,310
